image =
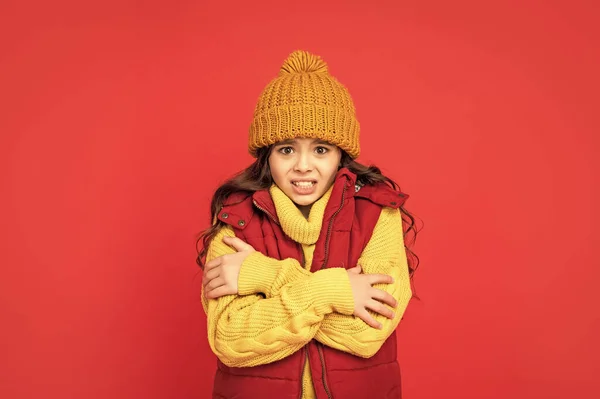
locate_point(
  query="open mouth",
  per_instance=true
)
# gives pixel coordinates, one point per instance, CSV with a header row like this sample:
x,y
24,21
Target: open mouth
x,y
304,183
304,187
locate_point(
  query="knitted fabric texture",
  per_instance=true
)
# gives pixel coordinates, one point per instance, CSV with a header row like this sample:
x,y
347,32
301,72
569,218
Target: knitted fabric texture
x,y
246,331
304,100
293,222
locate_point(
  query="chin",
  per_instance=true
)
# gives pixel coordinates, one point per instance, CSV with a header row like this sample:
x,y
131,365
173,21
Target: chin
x,y
304,200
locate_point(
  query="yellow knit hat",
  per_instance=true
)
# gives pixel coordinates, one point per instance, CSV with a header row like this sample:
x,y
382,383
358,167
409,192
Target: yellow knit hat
x,y
304,100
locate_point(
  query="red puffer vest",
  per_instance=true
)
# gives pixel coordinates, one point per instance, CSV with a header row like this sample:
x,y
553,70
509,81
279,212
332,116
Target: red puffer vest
x,y
348,222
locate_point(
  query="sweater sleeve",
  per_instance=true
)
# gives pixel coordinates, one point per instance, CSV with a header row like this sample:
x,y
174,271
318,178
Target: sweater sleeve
x,y
384,254
249,330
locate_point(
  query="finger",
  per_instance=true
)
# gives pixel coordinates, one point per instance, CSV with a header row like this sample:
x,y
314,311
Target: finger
x,y
213,263
214,283
380,308
219,292
380,279
384,297
238,244
210,275
367,318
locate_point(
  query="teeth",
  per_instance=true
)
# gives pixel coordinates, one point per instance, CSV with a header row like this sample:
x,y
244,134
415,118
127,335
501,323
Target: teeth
x,y
303,183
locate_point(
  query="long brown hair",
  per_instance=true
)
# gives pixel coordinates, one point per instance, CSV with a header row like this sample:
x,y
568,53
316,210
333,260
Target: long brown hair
x,y
258,177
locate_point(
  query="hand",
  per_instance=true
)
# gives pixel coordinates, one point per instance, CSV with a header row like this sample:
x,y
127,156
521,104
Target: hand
x,y
221,274
367,297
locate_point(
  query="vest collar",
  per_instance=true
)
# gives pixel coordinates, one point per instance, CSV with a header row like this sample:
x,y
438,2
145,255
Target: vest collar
x,y
263,201
238,209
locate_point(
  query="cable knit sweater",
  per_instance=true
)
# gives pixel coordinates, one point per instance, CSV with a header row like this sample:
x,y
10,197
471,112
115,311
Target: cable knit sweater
x,y
281,305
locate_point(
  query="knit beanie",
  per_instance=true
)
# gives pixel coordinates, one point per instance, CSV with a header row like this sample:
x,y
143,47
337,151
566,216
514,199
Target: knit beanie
x,y
304,100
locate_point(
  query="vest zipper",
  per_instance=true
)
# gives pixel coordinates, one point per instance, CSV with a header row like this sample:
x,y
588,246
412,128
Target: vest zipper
x,y
329,229
302,372
305,347
323,374
265,211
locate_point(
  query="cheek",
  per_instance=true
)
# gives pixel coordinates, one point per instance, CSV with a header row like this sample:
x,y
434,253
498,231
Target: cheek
x,y
277,178
332,166
328,171
277,170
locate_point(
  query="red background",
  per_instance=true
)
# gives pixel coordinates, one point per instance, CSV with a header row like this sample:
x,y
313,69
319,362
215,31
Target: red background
x,y
119,119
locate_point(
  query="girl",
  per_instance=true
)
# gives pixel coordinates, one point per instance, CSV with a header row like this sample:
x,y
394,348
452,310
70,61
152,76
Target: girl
x,y
305,270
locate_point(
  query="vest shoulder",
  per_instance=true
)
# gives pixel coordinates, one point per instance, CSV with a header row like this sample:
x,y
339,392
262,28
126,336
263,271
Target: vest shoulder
x,y
237,210
381,194
236,198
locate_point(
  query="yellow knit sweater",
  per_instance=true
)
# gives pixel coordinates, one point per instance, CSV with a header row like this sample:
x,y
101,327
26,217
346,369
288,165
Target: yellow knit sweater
x,y
248,329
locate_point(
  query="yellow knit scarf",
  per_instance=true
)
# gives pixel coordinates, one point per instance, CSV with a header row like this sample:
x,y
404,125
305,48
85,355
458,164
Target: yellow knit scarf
x,y
294,224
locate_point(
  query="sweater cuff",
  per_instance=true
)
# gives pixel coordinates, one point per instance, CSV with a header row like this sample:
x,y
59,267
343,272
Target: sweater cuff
x,y
257,274
332,288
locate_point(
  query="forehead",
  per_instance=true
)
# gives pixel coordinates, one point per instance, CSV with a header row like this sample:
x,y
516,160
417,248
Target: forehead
x,y
299,140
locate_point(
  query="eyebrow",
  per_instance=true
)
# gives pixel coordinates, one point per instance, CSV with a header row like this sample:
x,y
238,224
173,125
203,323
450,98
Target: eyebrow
x,y
283,142
291,141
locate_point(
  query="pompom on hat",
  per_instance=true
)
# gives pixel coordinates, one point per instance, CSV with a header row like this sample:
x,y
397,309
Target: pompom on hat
x,y
304,100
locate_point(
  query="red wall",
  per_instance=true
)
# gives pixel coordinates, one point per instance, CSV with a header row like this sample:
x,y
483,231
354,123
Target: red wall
x,y
117,121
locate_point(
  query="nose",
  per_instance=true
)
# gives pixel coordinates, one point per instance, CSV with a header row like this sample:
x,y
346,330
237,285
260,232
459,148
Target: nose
x,y
303,163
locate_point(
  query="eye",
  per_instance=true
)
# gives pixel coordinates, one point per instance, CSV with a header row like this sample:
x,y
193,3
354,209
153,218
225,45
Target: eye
x,y
285,150
322,150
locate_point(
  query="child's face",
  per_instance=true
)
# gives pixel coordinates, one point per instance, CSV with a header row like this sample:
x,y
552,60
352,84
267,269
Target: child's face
x,y
304,169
